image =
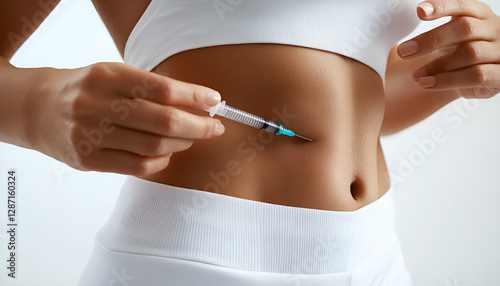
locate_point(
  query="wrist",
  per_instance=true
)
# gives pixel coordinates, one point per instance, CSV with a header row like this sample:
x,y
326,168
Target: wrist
x,y
35,107
11,105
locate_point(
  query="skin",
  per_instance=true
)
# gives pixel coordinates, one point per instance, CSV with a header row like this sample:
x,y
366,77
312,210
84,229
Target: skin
x,y
343,170
299,173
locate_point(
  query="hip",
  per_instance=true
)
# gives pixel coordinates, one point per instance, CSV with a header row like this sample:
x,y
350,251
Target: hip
x,y
165,234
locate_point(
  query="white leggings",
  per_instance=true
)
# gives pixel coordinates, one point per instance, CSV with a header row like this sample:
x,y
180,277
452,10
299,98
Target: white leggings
x,y
171,236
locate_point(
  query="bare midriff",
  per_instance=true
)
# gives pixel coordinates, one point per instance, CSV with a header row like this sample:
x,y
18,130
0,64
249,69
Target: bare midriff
x,y
334,100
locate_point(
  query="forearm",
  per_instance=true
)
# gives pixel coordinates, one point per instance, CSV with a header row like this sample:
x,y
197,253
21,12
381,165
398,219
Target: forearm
x,y
22,92
406,102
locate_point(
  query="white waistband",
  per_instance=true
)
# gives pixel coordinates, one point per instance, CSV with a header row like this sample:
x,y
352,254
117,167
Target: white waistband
x,y
162,220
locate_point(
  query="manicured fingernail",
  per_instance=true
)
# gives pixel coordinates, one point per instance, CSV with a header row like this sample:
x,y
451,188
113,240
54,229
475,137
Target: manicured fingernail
x,y
213,98
427,7
408,48
219,129
428,81
421,72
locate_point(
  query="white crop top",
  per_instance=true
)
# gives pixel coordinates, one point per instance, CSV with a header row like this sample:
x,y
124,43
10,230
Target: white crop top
x,y
364,30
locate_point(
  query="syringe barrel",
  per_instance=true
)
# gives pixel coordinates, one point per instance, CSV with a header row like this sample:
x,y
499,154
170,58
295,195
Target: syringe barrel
x,y
248,119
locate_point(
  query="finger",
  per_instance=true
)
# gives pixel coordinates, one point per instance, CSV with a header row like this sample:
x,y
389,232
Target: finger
x,y
487,75
143,143
167,121
123,162
435,9
460,30
467,54
167,91
481,92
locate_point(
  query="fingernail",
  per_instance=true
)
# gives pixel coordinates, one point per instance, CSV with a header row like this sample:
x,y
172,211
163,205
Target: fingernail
x,y
213,98
421,72
408,48
428,81
219,129
427,7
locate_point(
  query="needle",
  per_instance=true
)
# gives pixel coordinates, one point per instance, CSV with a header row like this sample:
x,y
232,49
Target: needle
x,y
303,137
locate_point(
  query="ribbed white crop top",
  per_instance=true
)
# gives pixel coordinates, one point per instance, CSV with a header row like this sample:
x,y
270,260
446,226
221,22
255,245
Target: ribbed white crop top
x,y
364,30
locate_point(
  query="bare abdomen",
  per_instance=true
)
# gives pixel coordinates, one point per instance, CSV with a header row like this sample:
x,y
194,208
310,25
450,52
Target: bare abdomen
x,y
332,99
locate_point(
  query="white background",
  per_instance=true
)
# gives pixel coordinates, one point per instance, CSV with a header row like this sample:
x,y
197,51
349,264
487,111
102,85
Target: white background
x,y
447,192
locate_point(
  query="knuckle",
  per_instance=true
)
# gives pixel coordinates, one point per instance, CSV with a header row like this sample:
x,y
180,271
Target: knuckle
x,y
97,73
209,129
473,51
466,26
167,122
150,81
488,9
166,89
198,95
155,146
79,105
485,7
480,75
141,168
433,42
80,146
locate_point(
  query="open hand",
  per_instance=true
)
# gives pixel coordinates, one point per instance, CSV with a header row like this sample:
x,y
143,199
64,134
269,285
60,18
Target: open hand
x,y
468,46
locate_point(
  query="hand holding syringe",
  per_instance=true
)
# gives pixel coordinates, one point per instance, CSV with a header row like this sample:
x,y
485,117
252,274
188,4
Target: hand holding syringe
x,y
237,115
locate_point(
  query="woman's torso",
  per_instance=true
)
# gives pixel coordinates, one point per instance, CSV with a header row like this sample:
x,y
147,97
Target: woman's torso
x,y
335,100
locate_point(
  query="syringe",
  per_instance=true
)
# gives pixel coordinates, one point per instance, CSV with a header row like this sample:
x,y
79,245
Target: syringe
x,y
241,116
